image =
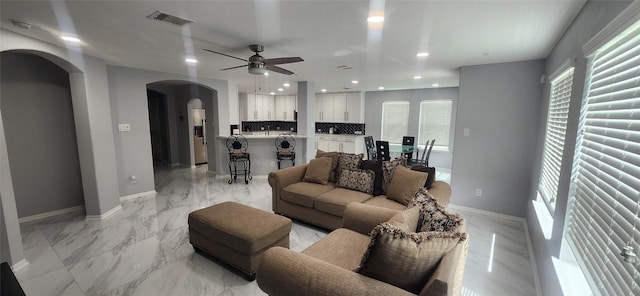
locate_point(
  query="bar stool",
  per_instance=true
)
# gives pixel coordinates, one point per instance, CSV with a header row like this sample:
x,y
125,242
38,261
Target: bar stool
x,y
237,146
285,145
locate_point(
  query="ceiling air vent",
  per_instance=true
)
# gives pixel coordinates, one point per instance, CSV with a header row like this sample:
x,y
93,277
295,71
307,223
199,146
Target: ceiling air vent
x,y
172,19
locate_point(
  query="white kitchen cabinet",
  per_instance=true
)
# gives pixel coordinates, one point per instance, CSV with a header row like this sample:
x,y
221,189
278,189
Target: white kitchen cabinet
x,y
260,107
285,107
338,107
346,144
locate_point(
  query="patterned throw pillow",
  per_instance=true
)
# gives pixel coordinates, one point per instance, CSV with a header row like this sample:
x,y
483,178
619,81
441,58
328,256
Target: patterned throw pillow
x,y
388,167
360,180
422,196
348,161
433,216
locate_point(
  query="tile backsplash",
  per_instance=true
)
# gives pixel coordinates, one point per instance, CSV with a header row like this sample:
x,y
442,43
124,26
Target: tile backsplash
x,y
342,128
272,125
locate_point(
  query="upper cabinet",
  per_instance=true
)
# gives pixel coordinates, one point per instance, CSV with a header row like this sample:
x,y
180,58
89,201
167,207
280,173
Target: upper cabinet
x,y
259,107
285,107
338,107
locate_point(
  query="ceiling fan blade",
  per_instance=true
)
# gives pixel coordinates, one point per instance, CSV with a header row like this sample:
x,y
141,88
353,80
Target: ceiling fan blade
x,y
278,61
236,67
278,69
224,54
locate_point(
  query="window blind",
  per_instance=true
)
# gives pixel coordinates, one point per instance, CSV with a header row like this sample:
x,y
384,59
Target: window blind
x,y
603,204
435,122
557,117
395,121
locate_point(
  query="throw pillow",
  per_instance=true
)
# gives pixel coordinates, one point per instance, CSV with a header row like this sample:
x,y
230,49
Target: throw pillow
x,y
404,184
405,259
334,156
434,217
360,180
318,170
375,166
423,196
388,167
348,161
430,170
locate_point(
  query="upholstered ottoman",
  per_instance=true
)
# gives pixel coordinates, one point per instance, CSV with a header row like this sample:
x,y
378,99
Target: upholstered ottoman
x,y
237,234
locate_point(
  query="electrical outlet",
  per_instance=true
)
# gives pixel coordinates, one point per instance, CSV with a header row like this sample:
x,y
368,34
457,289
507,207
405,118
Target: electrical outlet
x,y
273,164
467,132
478,192
133,180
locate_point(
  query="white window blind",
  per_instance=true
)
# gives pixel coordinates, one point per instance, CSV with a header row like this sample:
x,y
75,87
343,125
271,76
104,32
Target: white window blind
x,y
435,122
557,116
603,204
395,121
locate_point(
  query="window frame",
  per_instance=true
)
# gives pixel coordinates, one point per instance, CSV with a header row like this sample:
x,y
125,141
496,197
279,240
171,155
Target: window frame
x,y
421,142
382,122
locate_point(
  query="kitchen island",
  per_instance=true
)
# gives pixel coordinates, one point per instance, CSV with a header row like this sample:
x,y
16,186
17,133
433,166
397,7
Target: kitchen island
x,y
262,147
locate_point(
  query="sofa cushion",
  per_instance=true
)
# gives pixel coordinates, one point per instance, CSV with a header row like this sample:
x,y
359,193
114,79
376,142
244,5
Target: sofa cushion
x,y
334,202
318,170
359,180
341,247
303,193
383,202
334,164
429,170
403,258
348,161
388,167
374,165
404,184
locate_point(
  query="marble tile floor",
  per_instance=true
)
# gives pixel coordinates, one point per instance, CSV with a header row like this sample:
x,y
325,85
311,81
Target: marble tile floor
x,y
144,249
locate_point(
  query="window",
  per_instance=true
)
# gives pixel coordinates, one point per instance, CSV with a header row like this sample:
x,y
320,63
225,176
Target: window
x,y
602,215
395,121
554,136
435,122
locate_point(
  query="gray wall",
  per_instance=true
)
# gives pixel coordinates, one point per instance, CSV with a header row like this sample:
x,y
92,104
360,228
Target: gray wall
x,y
11,250
40,134
373,112
594,16
499,104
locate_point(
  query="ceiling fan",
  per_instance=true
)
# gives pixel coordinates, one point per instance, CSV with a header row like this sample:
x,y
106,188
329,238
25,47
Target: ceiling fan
x,y
258,65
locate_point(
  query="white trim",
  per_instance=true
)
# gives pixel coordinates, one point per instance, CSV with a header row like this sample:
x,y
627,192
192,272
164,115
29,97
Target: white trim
x,y
50,214
136,195
175,164
488,213
20,265
105,215
532,257
571,62
624,20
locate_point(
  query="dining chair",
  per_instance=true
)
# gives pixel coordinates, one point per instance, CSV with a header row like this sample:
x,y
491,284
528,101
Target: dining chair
x,y
408,141
426,158
422,159
382,150
370,145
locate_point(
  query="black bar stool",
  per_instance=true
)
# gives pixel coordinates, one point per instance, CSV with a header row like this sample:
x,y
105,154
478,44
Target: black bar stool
x,y
237,146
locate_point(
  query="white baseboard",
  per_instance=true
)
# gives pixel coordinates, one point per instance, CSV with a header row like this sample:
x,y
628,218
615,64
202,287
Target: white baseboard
x,y
21,264
51,214
488,213
136,195
532,257
105,215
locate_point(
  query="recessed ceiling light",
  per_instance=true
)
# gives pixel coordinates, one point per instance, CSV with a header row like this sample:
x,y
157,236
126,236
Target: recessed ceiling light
x,y
354,81
266,73
422,54
375,19
380,87
272,93
435,85
280,89
323,90
191,61
286,84
72,39
417,77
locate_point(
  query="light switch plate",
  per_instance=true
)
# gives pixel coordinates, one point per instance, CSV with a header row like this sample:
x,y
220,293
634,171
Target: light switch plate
x,y
124,127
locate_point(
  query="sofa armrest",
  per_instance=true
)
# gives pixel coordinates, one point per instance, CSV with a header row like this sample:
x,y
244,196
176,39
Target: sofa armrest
x,y
441,191
286,272
282,178
447,278
363,218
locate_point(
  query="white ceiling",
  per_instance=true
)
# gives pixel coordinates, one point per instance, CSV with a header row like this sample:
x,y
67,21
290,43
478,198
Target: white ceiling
x,y
326,34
